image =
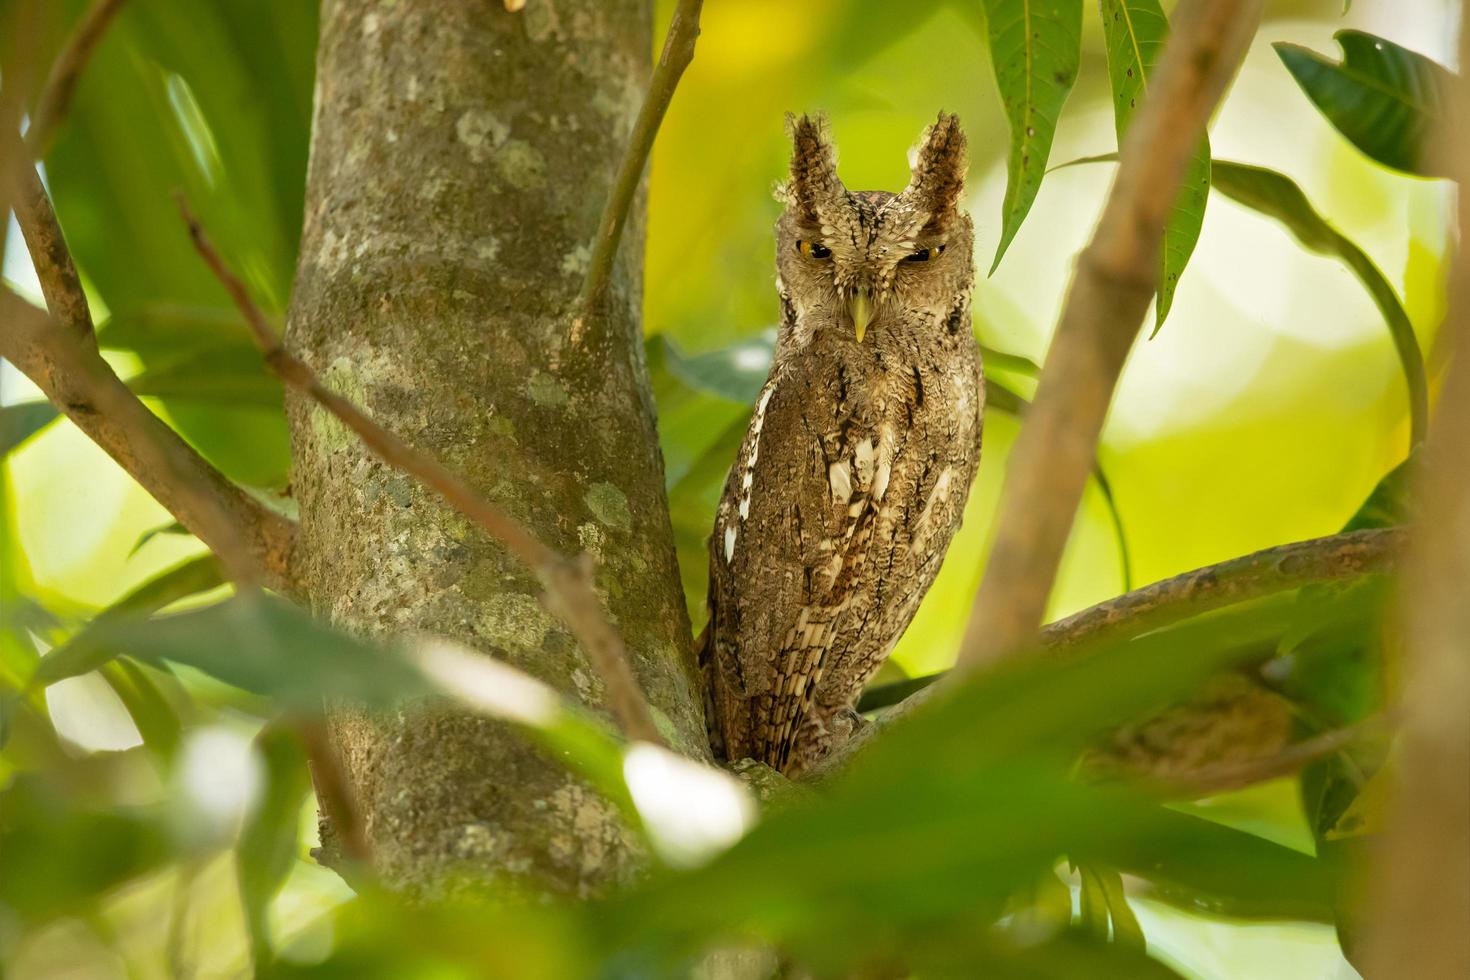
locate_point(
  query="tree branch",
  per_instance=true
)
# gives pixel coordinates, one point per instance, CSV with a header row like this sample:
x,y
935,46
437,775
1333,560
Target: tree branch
x,y
1420,901
61,84
568,584
252,540
1117,275
1335,558
52,260
678,52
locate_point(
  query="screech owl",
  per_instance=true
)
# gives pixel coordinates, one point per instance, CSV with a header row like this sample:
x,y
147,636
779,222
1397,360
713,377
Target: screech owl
x,y
854,471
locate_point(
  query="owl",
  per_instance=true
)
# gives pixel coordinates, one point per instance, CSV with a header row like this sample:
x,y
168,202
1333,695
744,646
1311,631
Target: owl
x,y
853,474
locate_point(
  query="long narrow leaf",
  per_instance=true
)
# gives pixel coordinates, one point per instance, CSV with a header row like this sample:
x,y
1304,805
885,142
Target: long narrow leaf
x,y
1035,49
1135,31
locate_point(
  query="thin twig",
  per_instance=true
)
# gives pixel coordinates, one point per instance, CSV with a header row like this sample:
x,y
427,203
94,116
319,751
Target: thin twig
x,y
678,52
335,796
1117,275
252,540
1229,776
61,84
1335,558
568,584
52,260
1419,899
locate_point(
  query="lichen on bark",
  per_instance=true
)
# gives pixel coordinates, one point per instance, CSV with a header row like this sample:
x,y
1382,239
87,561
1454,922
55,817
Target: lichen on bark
x,y
460,158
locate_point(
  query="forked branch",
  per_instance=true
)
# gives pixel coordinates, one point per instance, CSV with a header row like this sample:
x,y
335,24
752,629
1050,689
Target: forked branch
x,y
1117,275
567,583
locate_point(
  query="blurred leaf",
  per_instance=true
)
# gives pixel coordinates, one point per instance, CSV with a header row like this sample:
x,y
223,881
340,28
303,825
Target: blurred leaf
x,y
268,839
156,720
1385,99
1368,810
89,649
21,421
893,849
1009,362
267,646
1389,505
1105,912
1035,49
167,329
1135,31
1277,196
60,853
172,527
235,376
1092,905
735,373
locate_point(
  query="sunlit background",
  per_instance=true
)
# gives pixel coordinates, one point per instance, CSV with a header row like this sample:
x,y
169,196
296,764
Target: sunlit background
x,y
1264,411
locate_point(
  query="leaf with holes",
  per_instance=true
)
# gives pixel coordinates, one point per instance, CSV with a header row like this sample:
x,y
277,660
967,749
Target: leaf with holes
x,y
1386,99
1035,49
1134,32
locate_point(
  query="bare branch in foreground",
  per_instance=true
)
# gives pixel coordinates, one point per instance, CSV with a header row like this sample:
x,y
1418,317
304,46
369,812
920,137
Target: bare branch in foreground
x,y
569,592
254,542
678,52
1420,899
1117,275
61,84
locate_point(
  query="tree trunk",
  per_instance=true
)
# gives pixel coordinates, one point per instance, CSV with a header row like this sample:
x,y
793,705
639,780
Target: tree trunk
x,y
460,158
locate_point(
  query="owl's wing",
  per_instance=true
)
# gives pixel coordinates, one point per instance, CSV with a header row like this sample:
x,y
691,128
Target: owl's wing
x,y
790,539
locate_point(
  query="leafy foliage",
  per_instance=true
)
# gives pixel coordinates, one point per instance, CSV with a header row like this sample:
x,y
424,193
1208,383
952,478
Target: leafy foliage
x,y
1386,99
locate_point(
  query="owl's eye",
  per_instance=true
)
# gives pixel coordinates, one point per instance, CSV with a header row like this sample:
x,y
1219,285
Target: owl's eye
x,y
813,250
925,254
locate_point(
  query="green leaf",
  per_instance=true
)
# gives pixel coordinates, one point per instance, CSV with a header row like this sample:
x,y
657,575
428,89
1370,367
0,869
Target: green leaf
x,y
1035,49
268,839
89,650
172,527
734,373
61,854
1134,32
168,329
234,376
1390,503
267,646
1278,196
155,718
1387,100
21,421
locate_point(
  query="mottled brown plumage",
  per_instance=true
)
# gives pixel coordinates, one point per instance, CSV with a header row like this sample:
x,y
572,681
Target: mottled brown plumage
x,y
853,474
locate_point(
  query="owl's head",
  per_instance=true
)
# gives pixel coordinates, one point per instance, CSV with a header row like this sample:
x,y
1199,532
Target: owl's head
x,y
863,261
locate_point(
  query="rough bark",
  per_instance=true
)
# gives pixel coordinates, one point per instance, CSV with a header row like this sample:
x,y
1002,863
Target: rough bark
x,y
461,155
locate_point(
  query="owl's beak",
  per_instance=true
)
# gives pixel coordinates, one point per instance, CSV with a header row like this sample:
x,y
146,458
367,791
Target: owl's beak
x,y
860,306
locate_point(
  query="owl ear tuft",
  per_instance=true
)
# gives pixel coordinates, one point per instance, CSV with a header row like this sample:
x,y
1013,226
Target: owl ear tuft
x,y
813,165
938,166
